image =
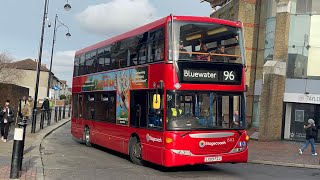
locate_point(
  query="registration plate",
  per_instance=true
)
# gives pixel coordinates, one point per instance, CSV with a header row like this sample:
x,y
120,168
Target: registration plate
x,y
213,159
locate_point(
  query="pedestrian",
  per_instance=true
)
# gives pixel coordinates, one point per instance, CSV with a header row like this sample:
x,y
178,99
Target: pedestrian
x,y
311,132
6,118
46,107
24,108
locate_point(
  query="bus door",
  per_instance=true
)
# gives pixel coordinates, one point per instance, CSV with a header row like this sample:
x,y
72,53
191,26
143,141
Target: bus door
x,y
148,122
76,124
81,123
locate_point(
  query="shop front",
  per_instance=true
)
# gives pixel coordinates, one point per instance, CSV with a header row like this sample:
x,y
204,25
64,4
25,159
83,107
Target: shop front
x,y
298,109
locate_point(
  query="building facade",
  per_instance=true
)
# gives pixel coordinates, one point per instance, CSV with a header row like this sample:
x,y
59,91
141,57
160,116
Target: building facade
x,y
28,69
282,42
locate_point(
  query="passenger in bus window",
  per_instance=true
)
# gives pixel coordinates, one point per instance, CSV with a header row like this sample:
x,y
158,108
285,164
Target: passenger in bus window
x,y
205,53
235,120
222,50
159,54
182,52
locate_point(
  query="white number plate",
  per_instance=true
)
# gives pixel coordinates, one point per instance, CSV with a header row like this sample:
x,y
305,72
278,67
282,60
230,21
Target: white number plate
x,y
213,159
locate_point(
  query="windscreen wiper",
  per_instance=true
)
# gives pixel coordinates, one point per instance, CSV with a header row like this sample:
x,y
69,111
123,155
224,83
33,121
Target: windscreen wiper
x,y
240,133
183,135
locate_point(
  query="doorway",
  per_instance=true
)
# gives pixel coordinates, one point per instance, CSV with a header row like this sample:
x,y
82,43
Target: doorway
x,y
138,104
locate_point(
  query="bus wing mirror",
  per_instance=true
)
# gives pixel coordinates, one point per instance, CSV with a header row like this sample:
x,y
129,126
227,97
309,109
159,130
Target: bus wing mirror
x,y
156,101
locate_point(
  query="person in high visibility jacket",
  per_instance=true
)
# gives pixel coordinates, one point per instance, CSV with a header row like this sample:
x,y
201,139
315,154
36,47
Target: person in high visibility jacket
x,y
176,112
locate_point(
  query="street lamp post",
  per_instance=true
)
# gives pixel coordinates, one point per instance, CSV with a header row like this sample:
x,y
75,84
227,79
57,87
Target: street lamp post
x,y
45,13
52,49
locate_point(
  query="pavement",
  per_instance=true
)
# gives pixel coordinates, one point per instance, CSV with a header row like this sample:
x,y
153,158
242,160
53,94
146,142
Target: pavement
x,y
32,167
278,153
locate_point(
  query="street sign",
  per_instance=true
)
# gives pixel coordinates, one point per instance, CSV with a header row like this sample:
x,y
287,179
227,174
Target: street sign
x,y
55,88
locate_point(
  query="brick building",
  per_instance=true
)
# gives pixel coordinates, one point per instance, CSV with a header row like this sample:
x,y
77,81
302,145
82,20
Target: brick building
x,y
282,42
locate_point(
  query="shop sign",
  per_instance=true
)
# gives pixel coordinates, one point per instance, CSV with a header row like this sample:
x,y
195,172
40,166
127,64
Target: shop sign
x,y
302,98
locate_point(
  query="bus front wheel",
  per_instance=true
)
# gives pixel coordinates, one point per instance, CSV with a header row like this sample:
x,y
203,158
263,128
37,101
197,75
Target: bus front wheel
x,y
86,136
135,151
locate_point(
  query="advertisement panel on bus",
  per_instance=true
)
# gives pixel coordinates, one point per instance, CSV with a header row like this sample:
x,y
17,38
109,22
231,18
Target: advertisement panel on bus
x,y
122,82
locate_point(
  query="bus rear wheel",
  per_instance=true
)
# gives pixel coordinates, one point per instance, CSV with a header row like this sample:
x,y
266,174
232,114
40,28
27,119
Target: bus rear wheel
x,y
135,151
86,136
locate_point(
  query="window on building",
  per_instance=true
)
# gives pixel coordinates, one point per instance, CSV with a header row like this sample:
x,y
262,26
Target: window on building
x,y
299,59
297,62
314,48
269,38
271,8
315,7
303,6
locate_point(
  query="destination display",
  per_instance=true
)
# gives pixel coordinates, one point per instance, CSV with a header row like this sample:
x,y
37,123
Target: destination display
x,y
215,74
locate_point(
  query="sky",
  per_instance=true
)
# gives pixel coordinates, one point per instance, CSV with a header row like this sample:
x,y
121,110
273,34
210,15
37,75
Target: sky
x,y
89,22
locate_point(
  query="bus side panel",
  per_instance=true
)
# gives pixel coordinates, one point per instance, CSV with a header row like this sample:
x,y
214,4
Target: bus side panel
x,y
121,135
112,136
76,130
152,145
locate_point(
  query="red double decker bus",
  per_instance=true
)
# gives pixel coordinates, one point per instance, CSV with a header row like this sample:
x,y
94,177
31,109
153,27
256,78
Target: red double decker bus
x,y
171,92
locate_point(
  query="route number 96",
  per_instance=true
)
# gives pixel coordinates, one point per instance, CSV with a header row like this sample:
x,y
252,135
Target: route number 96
x,y
228,75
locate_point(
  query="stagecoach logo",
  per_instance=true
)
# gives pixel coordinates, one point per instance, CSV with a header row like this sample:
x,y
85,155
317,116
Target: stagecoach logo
x,y
203,143
153,139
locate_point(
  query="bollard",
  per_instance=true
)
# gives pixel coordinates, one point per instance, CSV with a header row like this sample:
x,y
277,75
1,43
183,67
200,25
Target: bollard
x,y
49,117
23,124
64,112
59,113
16,153
69,109
34,121
55,114
42,118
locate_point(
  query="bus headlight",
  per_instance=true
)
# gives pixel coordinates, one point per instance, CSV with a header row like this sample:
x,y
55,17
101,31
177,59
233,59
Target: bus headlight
x,y
235,150
240,147
182,152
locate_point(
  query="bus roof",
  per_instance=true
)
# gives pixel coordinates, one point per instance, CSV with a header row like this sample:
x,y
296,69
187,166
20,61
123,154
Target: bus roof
x,y
154,25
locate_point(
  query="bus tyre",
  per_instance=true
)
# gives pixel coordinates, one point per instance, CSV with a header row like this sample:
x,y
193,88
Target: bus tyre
x,y
86,136
135,151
